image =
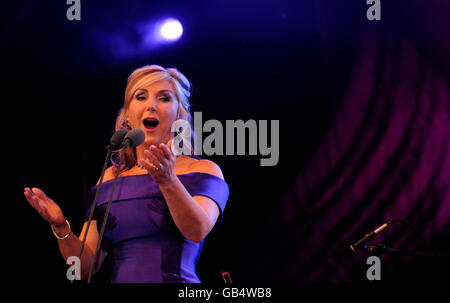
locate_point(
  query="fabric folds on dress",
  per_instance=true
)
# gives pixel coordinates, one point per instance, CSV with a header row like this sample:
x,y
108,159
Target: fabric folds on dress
x,y
141,239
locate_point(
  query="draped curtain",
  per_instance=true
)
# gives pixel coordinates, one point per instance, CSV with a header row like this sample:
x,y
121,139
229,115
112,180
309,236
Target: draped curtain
x,y
386,156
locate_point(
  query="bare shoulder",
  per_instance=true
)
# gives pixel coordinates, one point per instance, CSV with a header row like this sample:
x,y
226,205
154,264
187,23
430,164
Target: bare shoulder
x,y
109,175
205,166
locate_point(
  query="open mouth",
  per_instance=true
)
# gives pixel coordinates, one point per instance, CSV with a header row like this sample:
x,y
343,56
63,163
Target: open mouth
x,y
150,123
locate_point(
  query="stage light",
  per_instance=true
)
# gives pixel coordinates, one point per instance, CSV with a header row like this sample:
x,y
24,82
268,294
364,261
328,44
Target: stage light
x,y
171,30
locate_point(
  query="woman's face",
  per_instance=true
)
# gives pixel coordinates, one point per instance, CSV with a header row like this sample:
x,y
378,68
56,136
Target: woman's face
x,y
153,109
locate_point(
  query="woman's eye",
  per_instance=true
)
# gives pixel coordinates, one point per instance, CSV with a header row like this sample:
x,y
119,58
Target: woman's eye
x,y
165,98
140,97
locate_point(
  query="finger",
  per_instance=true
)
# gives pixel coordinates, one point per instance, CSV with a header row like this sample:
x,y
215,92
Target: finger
x,y
169,144
32,198
149,155
166,151
44,211
148,165
38,205
158,153
40,194
157,162
26,192
153,158
29,196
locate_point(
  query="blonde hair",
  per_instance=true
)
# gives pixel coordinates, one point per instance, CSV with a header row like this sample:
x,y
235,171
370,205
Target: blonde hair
x,y
145,76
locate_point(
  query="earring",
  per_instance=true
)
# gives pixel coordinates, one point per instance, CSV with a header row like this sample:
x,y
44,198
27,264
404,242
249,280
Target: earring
x,y
127,125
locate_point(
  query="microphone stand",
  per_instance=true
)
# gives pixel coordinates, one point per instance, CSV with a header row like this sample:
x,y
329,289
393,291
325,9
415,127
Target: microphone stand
x,y
94,262
381,248
94,203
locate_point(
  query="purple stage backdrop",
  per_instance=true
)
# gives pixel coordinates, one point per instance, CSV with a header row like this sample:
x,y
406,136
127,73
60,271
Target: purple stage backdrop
x,y
386,156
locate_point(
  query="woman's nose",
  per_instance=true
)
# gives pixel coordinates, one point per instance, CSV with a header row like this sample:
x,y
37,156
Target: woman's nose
x,y
151,107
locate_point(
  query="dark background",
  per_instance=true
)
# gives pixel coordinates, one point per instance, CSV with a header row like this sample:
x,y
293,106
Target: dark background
x,y
292,61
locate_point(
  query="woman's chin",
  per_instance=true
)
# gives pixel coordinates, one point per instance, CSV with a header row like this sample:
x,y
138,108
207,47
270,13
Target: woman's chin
x,y
151,140
154,139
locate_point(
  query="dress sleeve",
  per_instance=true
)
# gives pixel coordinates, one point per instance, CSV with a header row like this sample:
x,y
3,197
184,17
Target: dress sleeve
x,y
211,186
87,209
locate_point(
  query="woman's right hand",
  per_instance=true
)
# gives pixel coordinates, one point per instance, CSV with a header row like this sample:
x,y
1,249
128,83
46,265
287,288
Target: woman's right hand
x,y
45,206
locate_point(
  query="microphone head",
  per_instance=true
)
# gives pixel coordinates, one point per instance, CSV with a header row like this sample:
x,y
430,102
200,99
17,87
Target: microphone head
x,y
134,137
117,138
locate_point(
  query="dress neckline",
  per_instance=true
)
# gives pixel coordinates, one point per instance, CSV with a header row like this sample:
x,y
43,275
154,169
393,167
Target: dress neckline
x,y
148,175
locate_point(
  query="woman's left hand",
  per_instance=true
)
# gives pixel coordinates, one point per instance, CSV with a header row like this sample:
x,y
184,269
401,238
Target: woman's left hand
x,y
159,161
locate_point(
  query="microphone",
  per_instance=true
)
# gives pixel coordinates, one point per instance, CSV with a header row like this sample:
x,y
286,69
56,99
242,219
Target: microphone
x,y
115,143
117,139
134,137
370,236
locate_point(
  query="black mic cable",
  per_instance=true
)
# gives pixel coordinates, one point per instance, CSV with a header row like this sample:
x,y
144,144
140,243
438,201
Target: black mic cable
x,y
132,139
115,143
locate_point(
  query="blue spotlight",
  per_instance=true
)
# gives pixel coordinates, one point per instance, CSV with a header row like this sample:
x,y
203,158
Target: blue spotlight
x,y
170,30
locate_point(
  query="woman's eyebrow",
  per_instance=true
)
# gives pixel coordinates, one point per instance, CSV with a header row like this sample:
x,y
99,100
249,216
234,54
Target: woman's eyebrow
x,y
160,92
140,90
163,91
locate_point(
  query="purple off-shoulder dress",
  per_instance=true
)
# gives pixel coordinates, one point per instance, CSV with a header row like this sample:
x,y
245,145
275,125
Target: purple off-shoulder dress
x,y
141,239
